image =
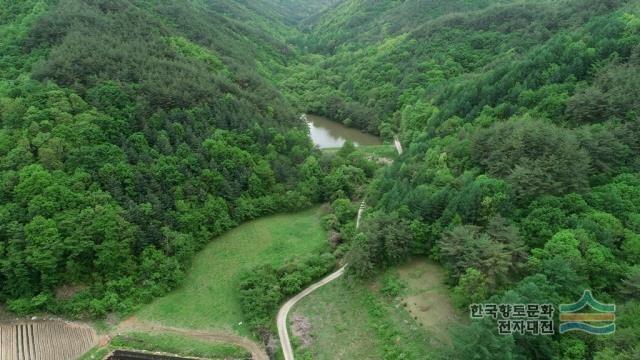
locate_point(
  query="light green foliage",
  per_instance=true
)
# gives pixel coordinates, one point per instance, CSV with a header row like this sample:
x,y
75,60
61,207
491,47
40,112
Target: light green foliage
x,y
471,289
344,210
134,132
189,49
582,254
115,184
392,286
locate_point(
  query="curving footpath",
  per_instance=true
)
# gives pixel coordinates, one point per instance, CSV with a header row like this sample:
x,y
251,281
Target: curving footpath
x,y
284,311
131,324
283,332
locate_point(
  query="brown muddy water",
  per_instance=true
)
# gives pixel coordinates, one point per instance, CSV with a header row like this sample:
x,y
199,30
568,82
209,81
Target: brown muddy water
x,y
328,134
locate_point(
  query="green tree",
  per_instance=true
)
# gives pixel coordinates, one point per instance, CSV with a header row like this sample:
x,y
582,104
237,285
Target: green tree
x,y
44,250
471,289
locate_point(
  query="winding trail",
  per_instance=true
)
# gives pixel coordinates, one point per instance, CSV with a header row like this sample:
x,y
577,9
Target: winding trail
x,y
284,311
132,324
283,332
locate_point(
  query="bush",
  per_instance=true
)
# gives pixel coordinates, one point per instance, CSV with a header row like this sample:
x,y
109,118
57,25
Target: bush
x,y
263,288
392,286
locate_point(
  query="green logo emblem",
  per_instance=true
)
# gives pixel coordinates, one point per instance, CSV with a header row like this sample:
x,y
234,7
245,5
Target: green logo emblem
x,y
571,319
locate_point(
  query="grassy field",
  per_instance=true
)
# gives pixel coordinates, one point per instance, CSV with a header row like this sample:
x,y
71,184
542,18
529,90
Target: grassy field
x,y
401,314
208,298
170,344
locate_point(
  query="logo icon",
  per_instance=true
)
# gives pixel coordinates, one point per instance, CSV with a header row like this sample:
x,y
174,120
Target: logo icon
x,y
571,319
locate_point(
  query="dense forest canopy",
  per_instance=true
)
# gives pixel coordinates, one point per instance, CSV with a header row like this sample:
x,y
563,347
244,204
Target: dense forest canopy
x,y
132,133
135,131
521,175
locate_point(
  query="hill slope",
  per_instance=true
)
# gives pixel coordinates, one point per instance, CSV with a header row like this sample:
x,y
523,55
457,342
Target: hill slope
x,y
132,133
520,121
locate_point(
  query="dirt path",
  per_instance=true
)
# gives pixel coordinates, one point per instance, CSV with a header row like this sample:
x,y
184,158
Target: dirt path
x,y
283,332
132,324
360,212
396,142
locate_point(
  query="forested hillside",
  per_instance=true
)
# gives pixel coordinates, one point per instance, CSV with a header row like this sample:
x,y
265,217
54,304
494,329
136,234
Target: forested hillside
x,y
521,175
365,83
356,23
295,11
133,132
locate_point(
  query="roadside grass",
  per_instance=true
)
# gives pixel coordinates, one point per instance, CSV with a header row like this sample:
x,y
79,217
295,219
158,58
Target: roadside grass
x,y
339,324
370,320
170,344
387,151
208,297
379,151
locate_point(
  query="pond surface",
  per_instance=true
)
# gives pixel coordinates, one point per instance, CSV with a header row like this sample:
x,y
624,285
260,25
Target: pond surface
x,y
132,355
327,133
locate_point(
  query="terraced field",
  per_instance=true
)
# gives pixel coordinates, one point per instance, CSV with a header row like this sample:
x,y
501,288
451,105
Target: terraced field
x,y
45,340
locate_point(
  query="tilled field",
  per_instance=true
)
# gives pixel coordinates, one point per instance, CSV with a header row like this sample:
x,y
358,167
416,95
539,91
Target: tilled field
x,y
45,340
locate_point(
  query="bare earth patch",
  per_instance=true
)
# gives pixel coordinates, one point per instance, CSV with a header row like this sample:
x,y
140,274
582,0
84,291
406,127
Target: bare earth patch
x,y
66,292
301,328
427,297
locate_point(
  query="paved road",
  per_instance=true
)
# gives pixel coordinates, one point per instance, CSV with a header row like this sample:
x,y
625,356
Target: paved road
x,y
284,311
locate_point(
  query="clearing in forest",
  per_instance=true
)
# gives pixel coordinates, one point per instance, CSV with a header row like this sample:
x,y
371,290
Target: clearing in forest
x,y
426,296
208,297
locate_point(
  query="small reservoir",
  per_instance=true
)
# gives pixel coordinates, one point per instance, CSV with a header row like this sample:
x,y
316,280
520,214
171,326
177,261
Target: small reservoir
x,y
328,134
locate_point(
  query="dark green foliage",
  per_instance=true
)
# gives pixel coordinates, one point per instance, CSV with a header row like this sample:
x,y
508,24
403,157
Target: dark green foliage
x,y
519,122
131,137
262,289
385,240
496,252
478,341
534,157
135,46
134,131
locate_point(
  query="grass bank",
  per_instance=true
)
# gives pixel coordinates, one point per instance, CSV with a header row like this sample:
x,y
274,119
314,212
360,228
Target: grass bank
x,y
401,314
169,344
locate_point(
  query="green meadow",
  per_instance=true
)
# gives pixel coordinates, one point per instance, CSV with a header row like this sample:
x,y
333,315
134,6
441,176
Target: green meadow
x,y
208,298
